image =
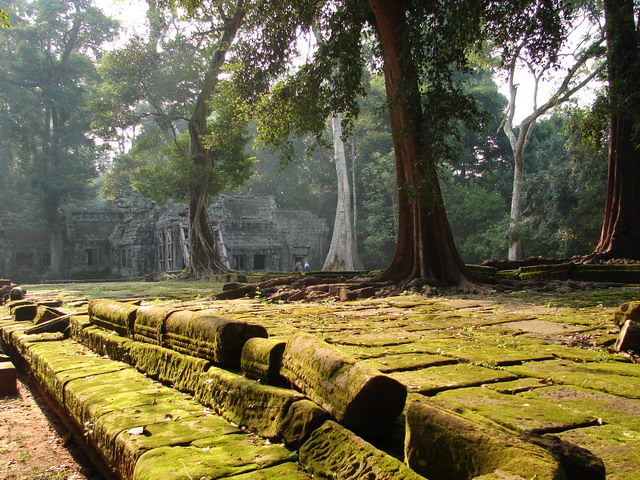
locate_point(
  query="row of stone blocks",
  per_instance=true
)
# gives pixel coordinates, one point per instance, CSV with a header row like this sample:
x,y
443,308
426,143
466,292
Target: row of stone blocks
x,y
187,350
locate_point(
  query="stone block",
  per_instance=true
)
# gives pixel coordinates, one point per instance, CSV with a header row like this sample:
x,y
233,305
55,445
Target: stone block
x,y
627,311
24,313
261,360
302,418
245,402
150,323
168,366
332,451
352,393
206,335
44,314
114,316
629,338
106,343
8,381
442,444
215,458
77,323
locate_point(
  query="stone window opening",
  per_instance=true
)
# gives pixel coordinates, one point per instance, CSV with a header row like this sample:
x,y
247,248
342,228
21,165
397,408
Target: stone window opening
x,y
239,262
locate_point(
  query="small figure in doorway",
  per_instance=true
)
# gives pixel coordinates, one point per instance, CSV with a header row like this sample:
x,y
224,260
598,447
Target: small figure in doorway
x,y
307,267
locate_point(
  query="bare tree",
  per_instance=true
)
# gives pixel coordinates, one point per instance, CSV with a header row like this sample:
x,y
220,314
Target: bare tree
x,y
583,68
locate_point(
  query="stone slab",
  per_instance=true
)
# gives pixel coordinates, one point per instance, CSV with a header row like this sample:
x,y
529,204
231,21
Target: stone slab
x,y
592,376
616,445
407,361
434,379
211,459
518,413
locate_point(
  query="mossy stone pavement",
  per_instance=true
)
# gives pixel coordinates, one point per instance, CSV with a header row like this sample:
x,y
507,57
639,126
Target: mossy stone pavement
x,y
527,363
533,363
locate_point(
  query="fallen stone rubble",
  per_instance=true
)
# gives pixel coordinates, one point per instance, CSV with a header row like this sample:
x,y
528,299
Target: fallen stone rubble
x,y
169,393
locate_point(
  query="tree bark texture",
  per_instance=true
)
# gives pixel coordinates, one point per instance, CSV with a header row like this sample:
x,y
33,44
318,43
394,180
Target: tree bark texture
x,y
343,255
620,236
425,247
203,242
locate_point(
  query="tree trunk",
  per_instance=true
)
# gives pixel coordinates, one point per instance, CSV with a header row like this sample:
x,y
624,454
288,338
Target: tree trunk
x,y
342,254
620,236
425,247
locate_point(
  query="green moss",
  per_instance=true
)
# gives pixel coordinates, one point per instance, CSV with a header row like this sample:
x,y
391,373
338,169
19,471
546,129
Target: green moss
x,y
181,371
434,379
607,273
519,413
205,335
245,402
105,342
547,272
617,445
581,375
606,408
332,451
444,444
113,316
220,457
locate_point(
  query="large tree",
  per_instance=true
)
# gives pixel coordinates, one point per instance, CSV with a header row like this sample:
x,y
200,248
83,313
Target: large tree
x,y
46,63
620,237
173,76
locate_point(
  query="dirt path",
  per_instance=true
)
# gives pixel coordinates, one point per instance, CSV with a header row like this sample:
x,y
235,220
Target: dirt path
x,y
34,445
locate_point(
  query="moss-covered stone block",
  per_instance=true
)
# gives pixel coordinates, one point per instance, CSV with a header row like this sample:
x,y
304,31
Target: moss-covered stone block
x,y
351,392
206,335
105,342
332,451
483,270
8,379
87,398
547,272
431,380
209,459
113,316
285,471
629,337
607,408
442,444
627,311
77,323
24,313
173,430
407,361
150,322
44,314
617,446
508,274
586,375
261,360
519,413
619,273
302,418
245,402
168,366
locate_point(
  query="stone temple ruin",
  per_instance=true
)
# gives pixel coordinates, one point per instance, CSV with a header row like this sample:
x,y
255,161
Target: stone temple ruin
x,y
134,236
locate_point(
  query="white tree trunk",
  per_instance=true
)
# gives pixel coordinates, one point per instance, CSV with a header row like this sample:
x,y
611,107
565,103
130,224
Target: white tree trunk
x,y
342,251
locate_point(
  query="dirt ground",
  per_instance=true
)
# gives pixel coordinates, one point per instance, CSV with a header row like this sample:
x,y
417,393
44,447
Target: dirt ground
x,y
34,445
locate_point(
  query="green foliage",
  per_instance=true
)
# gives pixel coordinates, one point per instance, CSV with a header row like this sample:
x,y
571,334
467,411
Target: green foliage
x,y
46,64
564,190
